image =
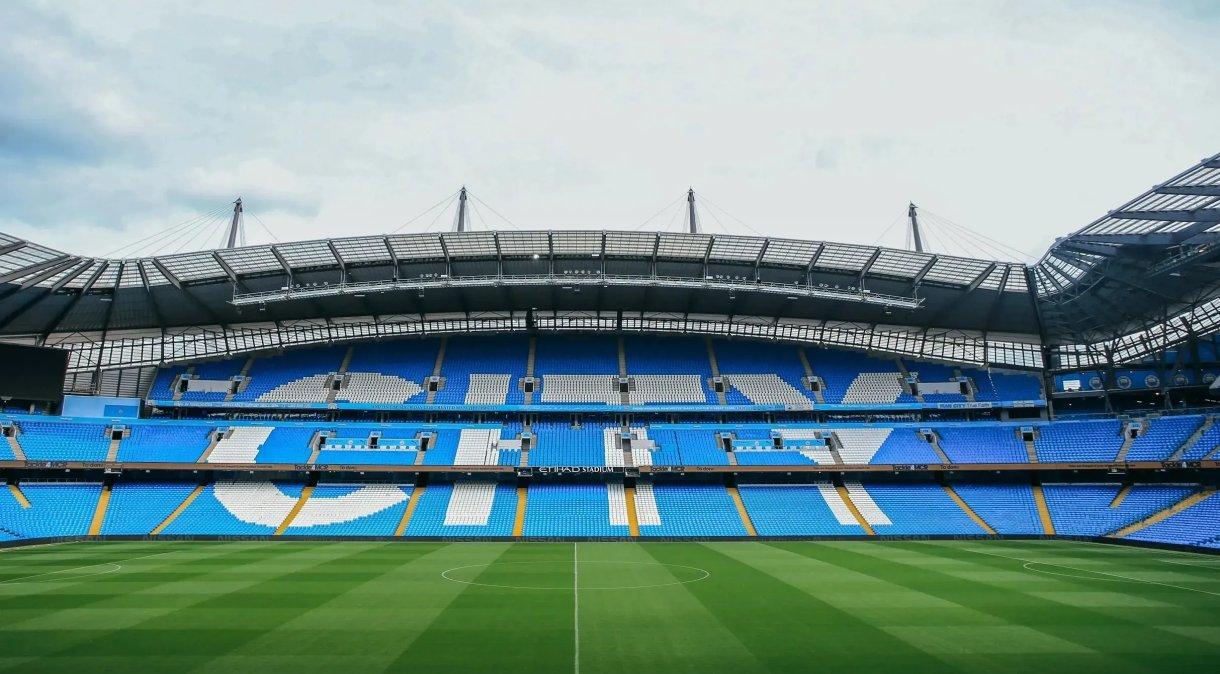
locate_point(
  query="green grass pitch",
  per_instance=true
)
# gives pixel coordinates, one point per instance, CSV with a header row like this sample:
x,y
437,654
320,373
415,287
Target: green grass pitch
x,y
995,606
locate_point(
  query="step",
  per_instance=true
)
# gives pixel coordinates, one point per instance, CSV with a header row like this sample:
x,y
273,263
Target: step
x,y
940,453
18,451
622,358
1120,496
112,452
1194,437
1126,446
177,393
519,517
99,513
804,357
633,518
416,493
190,498
17,494
711,358
855,512
1164,514
296,510
968,510
1044,512
529,368
741,511
437,367
1031,452
245,372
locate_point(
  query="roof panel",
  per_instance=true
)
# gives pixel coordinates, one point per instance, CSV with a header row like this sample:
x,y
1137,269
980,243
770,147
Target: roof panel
x,y
790,252
363,249
193,266
81,279
523,243
736,248
306,254
577,243
958,270
29,254
844,256
251,260
470,244
417,246
674,246
900,263
131,275
631,244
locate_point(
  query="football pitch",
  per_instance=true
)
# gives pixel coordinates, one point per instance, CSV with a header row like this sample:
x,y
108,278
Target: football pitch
x,y
996,606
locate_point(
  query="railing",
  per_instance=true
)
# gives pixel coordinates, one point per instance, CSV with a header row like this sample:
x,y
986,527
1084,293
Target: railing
x,y
822,291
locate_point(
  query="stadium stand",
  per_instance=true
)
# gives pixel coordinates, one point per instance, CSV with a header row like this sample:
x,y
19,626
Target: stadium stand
x,y
463,509
688,510
798,510
1091,509
911,509
136,508
169,443
982,444
55,509
1007,508
1198,525
1079,441
351,510
571,509
1163,436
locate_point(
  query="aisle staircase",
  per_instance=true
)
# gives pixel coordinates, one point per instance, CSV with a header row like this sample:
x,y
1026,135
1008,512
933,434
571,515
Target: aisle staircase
x,y
186,503
741,511
416,493
519,517
99,513
1163,514
1044,512
968,510
306,492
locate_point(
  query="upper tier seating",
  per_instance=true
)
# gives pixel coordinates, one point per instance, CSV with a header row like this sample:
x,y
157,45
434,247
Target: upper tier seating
x,y
240,445
558,444
576,354
994,386
297,376
1206,445
1079,441
169,442
905,446
54,441
982,444
488,356
488,370
856,378
647,354
1163,437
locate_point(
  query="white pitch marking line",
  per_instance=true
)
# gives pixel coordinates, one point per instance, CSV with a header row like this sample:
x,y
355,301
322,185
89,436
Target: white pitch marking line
x,y
87,566
1027,562
576,608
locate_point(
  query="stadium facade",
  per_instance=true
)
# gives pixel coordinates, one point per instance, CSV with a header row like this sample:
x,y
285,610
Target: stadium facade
x,y
610,384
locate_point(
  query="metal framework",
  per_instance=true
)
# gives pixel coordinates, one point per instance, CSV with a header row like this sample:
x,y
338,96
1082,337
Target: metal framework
x,y
1141,279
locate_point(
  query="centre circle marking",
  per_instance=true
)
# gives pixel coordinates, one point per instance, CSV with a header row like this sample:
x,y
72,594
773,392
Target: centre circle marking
x,y
705,575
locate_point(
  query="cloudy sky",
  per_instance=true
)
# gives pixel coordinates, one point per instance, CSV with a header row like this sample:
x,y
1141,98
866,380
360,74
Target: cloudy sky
x,y
1018,120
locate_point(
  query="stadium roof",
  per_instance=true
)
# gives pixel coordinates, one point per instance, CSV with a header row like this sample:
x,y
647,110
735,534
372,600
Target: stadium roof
x,y
44,291
1142,277
1153,260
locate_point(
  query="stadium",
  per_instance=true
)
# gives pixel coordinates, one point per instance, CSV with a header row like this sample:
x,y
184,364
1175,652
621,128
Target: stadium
x,y
575,450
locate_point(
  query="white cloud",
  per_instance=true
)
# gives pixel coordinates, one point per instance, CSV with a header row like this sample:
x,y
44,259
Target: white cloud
x,y
1023,121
